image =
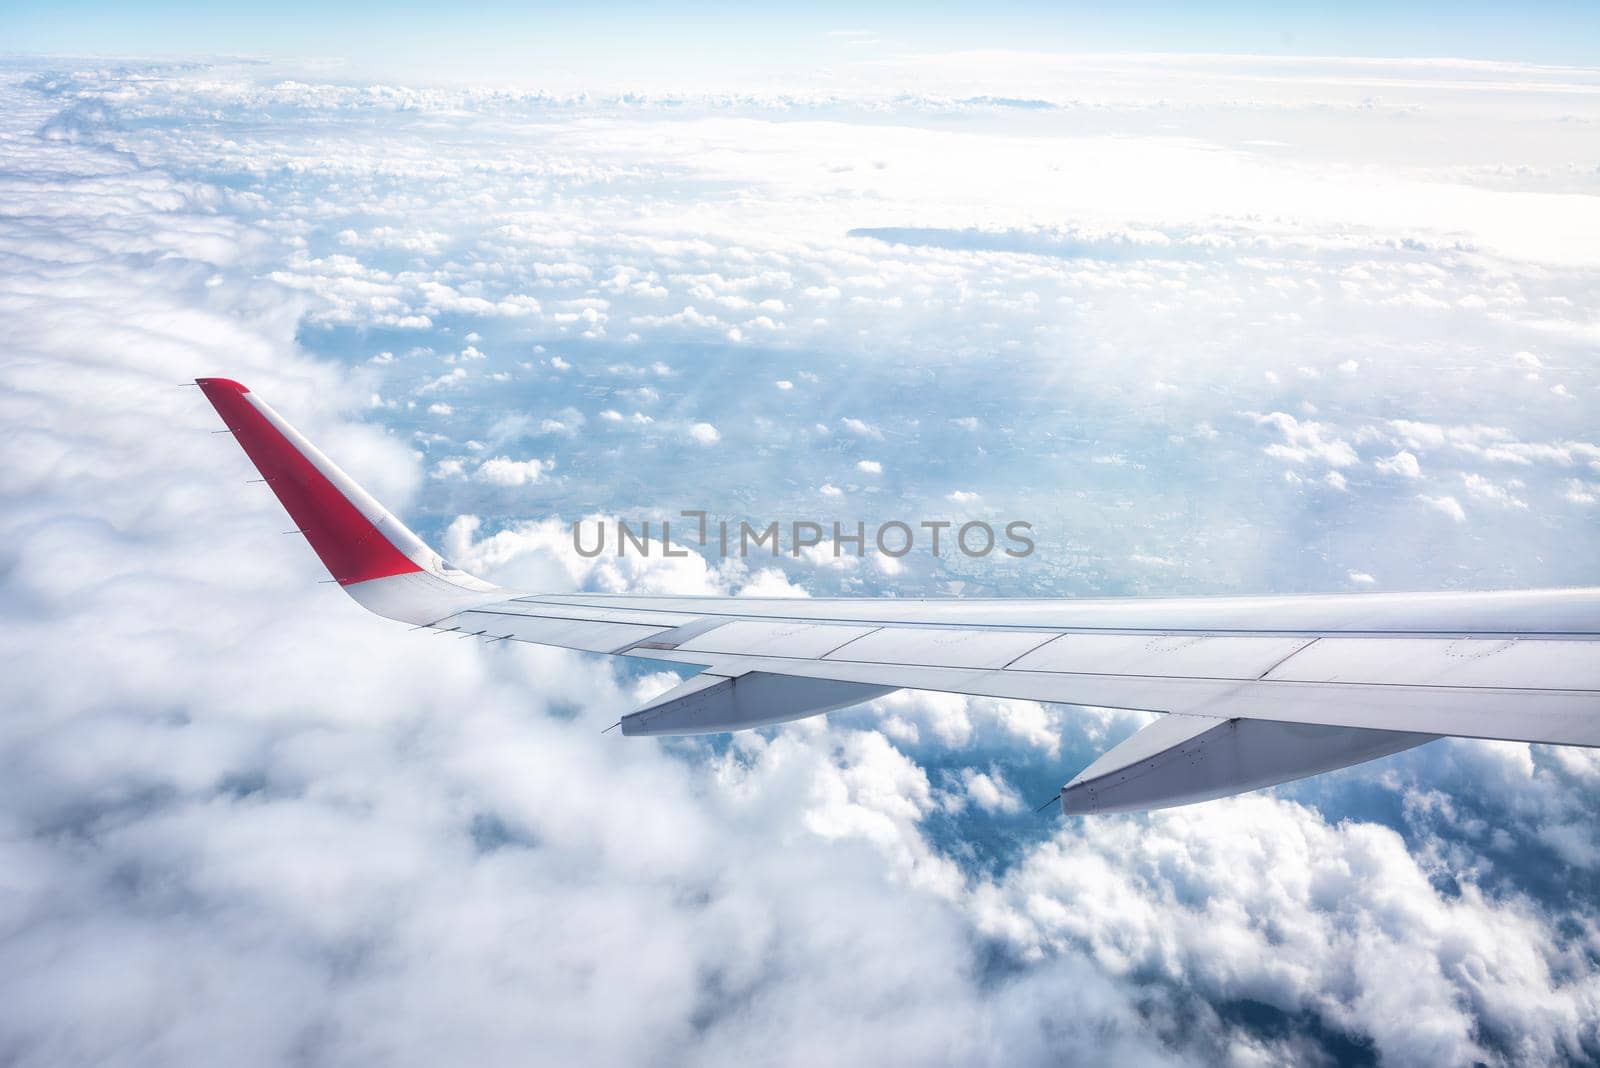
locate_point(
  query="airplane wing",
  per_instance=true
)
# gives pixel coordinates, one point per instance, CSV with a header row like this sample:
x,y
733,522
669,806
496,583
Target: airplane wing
x,y
1255,690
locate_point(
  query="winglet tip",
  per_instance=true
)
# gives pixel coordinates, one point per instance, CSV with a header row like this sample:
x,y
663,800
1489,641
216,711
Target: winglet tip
x,y
209,384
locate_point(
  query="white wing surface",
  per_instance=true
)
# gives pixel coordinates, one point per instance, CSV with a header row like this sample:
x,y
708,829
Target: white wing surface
x,y
1258,690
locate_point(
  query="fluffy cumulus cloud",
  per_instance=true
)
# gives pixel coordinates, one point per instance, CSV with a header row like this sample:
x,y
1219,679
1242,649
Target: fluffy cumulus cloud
x,y
504,471
237,813
1447,505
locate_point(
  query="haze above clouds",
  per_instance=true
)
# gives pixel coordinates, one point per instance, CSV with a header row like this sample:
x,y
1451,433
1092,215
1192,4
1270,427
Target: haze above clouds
x,y
1211,324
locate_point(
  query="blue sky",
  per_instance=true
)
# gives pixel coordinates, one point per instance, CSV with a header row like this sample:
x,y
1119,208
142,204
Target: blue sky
x,y
426,41
1213,324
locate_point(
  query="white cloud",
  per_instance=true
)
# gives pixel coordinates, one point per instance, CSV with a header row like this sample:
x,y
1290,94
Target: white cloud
x,y
1448,505
1487,490
825,556
504,471
1304,441
566,422
869,467
394,238
704,434
770,582
449,380
1401,463
1241,927
990,791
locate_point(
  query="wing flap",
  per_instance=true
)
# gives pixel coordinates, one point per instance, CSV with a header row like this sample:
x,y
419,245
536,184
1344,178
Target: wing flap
x,y
1181,759
710,704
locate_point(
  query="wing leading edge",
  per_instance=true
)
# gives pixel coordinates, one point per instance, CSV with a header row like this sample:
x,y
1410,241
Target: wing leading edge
x,y
1256,690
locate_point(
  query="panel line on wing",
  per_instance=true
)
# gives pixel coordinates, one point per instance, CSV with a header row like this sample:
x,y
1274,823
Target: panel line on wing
x,y
1291,654
847,641
1029,652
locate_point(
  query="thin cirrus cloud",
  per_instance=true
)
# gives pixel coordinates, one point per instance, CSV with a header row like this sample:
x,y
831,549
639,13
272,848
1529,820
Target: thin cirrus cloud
x,y
268,823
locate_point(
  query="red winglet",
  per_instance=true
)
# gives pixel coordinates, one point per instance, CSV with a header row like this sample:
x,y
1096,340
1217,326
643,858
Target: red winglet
x,y
352,548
